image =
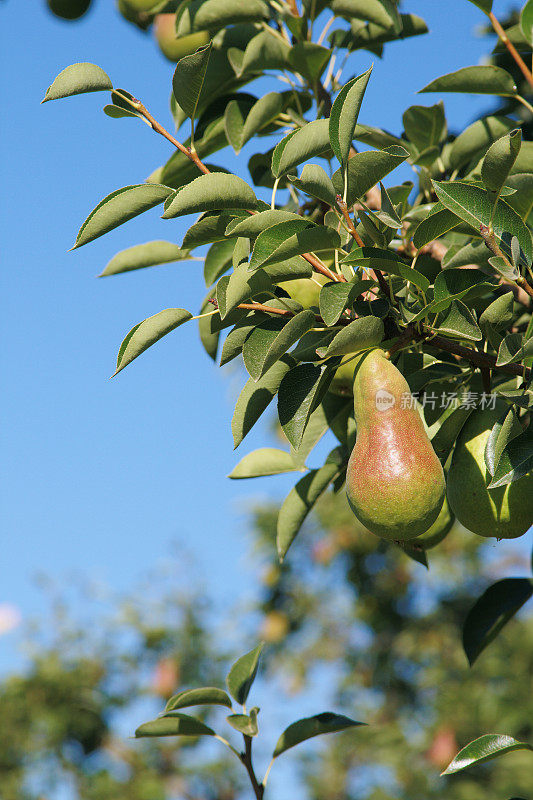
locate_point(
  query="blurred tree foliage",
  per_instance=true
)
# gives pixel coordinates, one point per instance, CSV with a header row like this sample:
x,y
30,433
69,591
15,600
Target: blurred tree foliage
x,y
396,663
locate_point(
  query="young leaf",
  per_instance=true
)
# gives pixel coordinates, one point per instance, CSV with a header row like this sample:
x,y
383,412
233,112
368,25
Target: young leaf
x,y
119,207
78,79
344,114
256,396
211,192
176,725
301,500
145,255
242,675
265,461
309,727
475,80
499,160
496,606
206,696
147,333
483,749
475,206
245,723
189,77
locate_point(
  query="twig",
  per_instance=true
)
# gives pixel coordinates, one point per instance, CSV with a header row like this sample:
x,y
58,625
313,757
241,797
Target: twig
x,y
320,267
528,75
246,759
488,237
349,222
478,359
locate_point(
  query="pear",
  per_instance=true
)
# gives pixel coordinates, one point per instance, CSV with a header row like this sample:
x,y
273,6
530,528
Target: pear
x,y
439,530
505,512
342,382
395,482
173,47
304,290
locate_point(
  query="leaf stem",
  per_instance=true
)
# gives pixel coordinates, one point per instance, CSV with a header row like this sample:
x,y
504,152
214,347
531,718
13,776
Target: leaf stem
x,y
524,102
528,75
267,773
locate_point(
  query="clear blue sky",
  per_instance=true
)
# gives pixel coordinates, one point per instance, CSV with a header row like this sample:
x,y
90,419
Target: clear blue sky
x,y
101,476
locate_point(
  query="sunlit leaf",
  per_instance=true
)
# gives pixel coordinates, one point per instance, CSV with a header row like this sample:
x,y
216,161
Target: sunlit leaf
x,y
483,749
309,727
242,674
148,332
78,79
176,725
266,461
145,255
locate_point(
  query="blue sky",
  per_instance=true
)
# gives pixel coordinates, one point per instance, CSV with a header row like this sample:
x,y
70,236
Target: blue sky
x,y
106,478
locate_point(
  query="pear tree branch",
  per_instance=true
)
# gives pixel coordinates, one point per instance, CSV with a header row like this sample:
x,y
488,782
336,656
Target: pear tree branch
x,y
528,75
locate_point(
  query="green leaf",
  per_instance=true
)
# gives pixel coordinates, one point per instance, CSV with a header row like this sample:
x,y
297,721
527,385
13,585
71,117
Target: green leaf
x,y
332,413
78,79
515,461
214,15
335,297
256,396
218,260
487,747
242,675
526,21
252,226
425,126
266,461
309,59
474,206
499,160
499,312
206,696
476,138
119,207
496,606
209,334
264,51
513,349
388,214
239,286
145,255
146,333
300,145
366,169
475,80
315,181
458,321
301,500
438,222
344,114
522,200
361,334
387,261
211,192
309,727
381,12
299,394
458,284
292,238
245,723
269,341
504,431
211,227
177,725
264,112
189,77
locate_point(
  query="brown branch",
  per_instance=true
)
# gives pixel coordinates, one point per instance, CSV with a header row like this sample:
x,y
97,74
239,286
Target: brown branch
x,y
320,267
525,286
490,240
351,227
187,151
293,8
474,357
512,49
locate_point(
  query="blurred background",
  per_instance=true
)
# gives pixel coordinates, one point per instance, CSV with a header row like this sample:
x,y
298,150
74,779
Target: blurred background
x,y
131,565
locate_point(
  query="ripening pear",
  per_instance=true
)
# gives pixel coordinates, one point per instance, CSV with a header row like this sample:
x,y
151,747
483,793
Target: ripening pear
x,y
505,512
304,290
172,47
69,9
439,530
395,482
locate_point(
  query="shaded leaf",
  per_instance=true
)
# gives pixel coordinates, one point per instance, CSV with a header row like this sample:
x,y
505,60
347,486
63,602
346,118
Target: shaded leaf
x,y
145,255
177,725
301,500
207,695
218,260
446,436
78,79
292,238
189,77
526,21
361,334
499,160
300,145
309,727
458,321
299,394
265,461
438,222
475,80
315,181
270,340
476,138
147,333
119,207
381,12
516,460
513,348
245,723
242,674
366,169
309,59
239,286
344,114
335,297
